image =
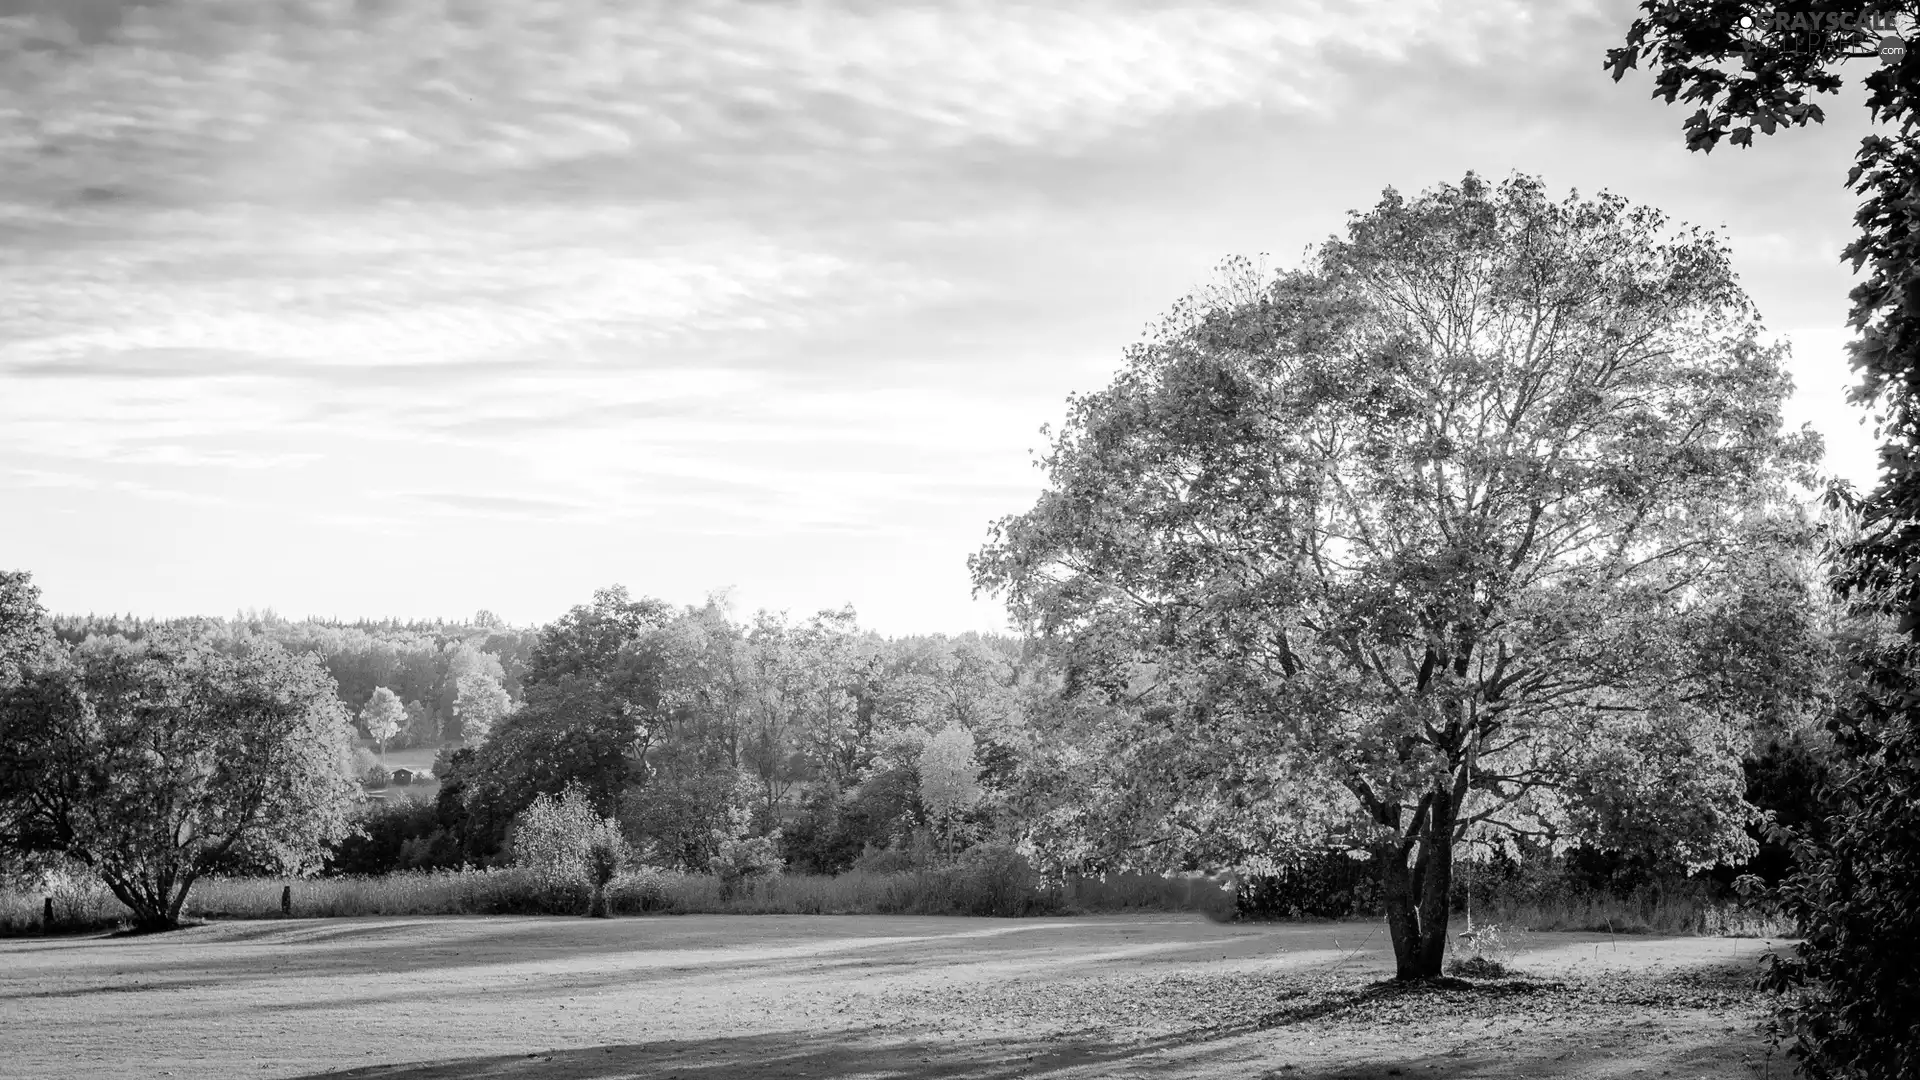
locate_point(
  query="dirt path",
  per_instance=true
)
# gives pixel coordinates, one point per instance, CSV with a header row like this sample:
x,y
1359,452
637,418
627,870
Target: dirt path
x,y
707,997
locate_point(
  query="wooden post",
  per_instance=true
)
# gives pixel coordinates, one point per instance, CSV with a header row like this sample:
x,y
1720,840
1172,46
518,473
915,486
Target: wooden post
x,y
286,901
46,916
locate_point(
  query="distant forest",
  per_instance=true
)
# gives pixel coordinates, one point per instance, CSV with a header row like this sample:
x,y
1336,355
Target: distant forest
x,y
421,661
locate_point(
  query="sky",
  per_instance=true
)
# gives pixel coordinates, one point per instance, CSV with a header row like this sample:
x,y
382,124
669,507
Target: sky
x,y
420,307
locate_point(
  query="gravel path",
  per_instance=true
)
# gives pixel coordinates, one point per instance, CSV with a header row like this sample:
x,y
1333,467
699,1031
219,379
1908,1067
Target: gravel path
x,y
702,997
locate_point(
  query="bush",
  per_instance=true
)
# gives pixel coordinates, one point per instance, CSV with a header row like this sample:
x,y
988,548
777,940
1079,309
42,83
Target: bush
x,y
393,834
1320,885
886,861
1850,992
1599,892
1209,896
743,862
376,778
641,892
994,879
569,851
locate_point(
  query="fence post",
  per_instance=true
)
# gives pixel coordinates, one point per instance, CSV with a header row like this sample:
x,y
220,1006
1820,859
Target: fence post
x,y
46,916
286,901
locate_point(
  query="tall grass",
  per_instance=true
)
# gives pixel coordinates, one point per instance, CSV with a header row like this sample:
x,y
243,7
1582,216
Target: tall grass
x,y
80,902
971,890
1644,911
83,904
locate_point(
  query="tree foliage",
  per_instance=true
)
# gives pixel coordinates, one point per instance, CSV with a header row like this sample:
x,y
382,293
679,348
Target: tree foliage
x,y
23,629
949,779
1851,992
568,846
153,762
594,696
480,704
1441,521
383,716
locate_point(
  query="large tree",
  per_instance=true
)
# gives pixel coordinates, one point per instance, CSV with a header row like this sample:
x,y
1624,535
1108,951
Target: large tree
x,y
1441,521
1852,989
597,694
152,762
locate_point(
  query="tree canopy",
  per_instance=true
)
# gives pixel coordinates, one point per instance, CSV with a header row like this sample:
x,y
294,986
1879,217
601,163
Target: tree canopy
x,y
1851,991
1438,521
151,762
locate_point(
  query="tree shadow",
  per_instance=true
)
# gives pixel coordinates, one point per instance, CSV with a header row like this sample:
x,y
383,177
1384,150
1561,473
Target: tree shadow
x,y
804,1056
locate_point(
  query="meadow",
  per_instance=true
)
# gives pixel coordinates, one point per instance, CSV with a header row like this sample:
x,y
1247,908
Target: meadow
x,y
709,996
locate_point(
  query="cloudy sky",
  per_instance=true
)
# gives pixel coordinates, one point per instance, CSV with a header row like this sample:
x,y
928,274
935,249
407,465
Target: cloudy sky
x,y
417,307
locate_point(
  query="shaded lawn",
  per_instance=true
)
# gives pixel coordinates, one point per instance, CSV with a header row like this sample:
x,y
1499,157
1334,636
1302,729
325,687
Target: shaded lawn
x,y
879,996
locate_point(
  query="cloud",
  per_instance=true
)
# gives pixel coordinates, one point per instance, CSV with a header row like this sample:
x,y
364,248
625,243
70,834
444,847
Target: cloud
x,y
135,364
721,278
496,505
398,286
333,87
45,478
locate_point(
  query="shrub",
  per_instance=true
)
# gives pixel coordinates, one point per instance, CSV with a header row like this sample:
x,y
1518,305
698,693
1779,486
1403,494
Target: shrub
x,y
1849,999
744,861
1217,900
1321,885
641,892
570,852
393,834
995,879
376,778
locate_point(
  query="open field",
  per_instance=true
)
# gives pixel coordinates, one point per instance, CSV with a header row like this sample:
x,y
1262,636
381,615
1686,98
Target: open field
x,y
415,758
707,997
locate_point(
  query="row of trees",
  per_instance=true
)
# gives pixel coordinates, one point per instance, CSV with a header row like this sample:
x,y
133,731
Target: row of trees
x,y
812,742
450,681
681,722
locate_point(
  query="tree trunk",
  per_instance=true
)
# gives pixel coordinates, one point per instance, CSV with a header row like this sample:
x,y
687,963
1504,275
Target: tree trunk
x,y
1436,851
1416,898
180,898
1403,918
149,910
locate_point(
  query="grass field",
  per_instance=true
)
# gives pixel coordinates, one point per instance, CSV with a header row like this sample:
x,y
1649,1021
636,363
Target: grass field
x,y
710,997
415,758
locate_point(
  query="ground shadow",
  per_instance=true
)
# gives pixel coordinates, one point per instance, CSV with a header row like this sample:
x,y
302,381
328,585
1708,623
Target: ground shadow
x,y
801,1056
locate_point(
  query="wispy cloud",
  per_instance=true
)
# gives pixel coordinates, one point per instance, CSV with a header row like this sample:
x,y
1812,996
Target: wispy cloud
x,y
772,293
318,90
496,505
